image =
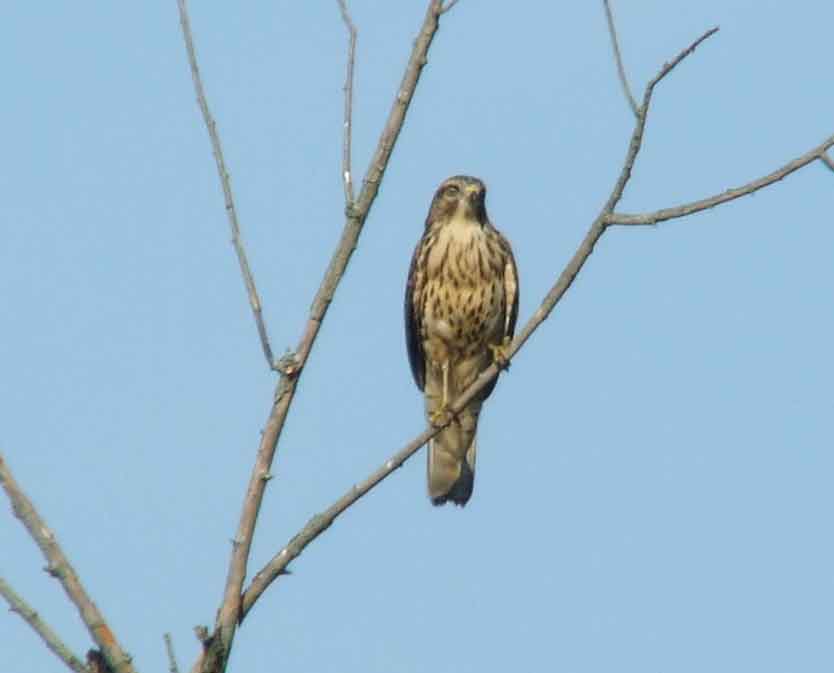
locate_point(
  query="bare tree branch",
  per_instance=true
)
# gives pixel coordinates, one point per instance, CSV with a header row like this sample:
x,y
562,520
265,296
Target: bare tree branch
x,y
217,646
448,6
827,160
321,522
615,44
671,65
49,637
710,202
60,568
225,181
172,658
347,175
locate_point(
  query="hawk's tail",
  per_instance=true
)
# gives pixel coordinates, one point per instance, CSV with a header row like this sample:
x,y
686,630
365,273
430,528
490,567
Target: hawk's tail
x,y
451,464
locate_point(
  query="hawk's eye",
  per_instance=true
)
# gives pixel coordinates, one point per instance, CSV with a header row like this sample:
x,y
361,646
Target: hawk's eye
x,y
452,190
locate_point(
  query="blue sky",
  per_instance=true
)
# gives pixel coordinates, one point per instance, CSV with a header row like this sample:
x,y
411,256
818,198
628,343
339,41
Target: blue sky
x,y
654,476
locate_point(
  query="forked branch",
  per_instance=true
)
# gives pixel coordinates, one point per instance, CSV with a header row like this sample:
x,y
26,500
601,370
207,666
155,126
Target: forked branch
x,y
445,8
731,194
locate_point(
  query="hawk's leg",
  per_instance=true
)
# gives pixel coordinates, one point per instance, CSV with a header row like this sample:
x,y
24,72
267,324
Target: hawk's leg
x,y
500,353
441,415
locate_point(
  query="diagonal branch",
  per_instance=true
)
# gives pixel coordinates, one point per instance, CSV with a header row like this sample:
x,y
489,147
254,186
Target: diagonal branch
x,y
219,644
731,194
671,65
225,181
615,44
321,522
49,637
60,568
827,160
347,141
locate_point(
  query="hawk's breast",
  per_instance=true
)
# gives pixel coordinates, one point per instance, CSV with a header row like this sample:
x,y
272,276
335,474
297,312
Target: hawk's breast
x,y
463,297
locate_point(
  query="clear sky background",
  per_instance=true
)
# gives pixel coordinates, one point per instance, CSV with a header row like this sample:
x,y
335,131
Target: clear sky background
x,y
654,485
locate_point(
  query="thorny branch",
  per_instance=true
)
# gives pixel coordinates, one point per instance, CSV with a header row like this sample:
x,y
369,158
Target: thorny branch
x,y
218,645
225,181
347,174
60,568
49,637
621,73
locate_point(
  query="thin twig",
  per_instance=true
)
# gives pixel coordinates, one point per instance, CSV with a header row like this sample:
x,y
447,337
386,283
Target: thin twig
x,y
347,175
448,6
50,638
60,568
216,653
321,522
172,658
710,202
615,43
225,181
671,65
827,160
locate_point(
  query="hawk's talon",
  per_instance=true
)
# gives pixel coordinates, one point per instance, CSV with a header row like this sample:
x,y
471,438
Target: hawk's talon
x,y
440,417
501,353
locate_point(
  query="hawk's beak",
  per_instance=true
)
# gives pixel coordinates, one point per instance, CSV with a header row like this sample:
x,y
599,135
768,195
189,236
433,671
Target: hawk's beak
x,y
475,197
474,194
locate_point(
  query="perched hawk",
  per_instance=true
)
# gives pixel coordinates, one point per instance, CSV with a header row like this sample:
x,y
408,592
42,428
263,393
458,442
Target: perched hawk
x,y
461,303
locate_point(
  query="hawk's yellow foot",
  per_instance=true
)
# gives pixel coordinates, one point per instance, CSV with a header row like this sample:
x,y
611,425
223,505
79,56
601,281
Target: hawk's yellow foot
x,y
501,353
440,416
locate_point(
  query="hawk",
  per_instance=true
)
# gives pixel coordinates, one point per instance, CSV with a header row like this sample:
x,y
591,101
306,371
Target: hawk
x,y
461,304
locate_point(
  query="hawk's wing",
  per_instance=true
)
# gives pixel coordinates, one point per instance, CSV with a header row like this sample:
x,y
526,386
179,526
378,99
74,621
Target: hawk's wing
x,y
413,322
510,290
510,301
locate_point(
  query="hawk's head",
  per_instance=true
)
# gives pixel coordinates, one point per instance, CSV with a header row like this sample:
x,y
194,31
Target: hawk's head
x,y
459,196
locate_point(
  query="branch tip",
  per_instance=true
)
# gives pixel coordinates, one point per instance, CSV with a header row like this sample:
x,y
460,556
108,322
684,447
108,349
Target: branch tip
x,y
225,183
671,65
347,139
169,649
621,73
